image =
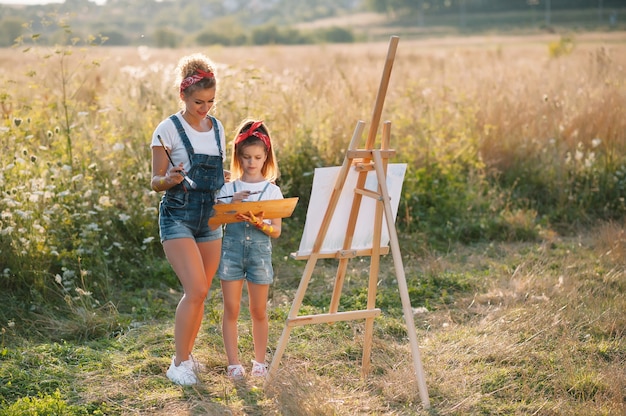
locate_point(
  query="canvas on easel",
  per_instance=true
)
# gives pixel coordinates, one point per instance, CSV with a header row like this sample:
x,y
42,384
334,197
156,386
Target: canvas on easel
x,y
365,193
323,181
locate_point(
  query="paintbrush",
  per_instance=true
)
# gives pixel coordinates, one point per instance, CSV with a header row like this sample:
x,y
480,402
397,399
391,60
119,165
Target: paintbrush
x,y
230,196
182,172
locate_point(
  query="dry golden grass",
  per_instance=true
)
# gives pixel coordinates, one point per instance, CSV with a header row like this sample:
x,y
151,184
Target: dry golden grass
x,y
544,331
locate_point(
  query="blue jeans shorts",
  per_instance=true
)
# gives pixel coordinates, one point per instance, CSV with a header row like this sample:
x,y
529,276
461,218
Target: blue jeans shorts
x,y
186,215
246,260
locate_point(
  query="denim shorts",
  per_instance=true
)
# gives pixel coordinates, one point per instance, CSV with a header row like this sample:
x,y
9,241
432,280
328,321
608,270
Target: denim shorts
x,y
249,260
186,215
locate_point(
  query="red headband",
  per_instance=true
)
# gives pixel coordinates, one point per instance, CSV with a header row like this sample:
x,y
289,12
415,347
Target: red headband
x,y
252,131
198,76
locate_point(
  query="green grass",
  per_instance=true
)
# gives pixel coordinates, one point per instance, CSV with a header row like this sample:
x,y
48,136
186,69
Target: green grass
x,y
510,221
523,328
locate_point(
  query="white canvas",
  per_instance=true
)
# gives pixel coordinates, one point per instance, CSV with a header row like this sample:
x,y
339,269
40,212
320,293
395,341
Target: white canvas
x,y
323,184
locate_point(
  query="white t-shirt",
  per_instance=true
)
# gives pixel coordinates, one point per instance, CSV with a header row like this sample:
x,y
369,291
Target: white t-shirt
x,y
203,142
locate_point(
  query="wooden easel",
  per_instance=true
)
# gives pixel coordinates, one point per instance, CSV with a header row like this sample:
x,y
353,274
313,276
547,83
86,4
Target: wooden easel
x,y
363,161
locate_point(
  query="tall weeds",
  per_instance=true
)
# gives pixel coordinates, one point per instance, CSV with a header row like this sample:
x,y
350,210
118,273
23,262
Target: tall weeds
x,y
503,141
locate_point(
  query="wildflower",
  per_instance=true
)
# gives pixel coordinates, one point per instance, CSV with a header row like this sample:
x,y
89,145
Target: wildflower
x,y
148,240
49,134
118,147
596,142
579,155
105,201
82,292
68,274
23,214
57,130
58,279
124,217
92,227
93,166
33,158
7,231
17,121
11,324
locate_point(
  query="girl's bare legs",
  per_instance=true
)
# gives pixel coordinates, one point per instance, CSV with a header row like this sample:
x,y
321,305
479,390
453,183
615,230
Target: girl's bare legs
x,y
231,291
210,252
258,312
185,257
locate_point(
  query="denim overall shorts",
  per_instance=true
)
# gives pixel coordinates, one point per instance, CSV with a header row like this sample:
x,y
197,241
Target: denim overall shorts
x,y
184,212
246,253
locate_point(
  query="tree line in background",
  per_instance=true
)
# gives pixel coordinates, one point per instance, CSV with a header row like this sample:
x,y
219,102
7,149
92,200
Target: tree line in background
x,y
487,6
175,23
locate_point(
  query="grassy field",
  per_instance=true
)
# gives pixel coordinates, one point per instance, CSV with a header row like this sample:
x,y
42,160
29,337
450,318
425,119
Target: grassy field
x,y
531,321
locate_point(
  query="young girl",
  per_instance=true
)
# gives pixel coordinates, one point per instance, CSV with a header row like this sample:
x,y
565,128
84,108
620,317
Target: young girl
x,y
187,159
246,246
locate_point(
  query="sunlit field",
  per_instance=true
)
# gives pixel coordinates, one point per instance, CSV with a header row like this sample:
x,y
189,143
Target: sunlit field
x,y
511,224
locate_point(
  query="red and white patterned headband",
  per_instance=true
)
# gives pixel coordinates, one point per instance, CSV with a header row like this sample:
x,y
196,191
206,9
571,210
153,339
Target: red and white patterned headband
x,y
198,76
252,131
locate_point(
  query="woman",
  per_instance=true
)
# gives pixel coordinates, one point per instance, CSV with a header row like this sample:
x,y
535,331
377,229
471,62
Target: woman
x,y
187,163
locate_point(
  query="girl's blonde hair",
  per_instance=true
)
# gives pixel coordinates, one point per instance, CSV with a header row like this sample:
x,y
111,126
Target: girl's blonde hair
x,y
270,167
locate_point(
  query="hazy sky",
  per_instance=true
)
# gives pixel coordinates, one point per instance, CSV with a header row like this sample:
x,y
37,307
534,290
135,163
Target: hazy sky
x,y
31,2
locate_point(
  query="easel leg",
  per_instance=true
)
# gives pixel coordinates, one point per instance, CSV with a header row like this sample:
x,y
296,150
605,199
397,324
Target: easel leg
x,y
293,312
402,285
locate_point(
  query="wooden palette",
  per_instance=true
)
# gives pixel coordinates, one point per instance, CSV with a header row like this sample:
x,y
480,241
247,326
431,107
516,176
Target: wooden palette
x,y
276,208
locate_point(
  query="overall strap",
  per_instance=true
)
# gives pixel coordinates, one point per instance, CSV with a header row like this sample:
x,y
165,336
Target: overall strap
x,y
185,139
263,191
217,135
183,136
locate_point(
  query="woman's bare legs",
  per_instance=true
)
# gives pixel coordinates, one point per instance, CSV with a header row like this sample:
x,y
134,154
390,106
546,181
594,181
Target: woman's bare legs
x,y
231,292
210,252
186,258
258,312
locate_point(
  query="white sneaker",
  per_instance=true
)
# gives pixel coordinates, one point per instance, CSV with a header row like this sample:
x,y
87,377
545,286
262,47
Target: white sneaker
x,y
236,372
182,374
258,369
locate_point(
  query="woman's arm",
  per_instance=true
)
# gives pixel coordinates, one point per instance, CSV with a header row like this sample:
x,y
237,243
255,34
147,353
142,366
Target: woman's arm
x,y
162,178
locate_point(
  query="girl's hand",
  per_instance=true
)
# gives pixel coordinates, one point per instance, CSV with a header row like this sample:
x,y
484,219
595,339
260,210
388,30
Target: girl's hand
x,y
256,220
241,195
